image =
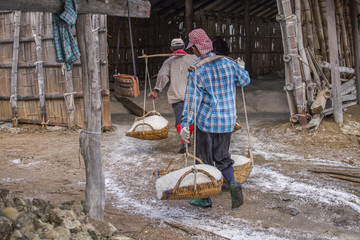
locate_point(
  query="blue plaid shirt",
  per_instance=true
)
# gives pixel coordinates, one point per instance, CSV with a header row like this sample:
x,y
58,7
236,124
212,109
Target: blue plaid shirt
x,y
215,95
65,45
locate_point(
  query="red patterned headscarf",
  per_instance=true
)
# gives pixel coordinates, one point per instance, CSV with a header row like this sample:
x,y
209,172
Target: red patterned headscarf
x,y
200,39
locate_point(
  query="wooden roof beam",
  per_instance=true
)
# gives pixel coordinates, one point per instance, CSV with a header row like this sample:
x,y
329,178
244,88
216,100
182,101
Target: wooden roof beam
x,y
138,8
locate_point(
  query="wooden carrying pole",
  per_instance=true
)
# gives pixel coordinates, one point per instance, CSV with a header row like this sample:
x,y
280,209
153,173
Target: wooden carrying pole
x,y
39,66
356,45
334,61
14,69
90,136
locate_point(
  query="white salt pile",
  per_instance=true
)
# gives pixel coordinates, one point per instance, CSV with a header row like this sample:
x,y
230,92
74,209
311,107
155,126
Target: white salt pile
x,y
239,160
169,180
155,121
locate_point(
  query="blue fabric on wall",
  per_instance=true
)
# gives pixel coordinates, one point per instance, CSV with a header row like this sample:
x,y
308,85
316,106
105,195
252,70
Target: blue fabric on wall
x,y
65,46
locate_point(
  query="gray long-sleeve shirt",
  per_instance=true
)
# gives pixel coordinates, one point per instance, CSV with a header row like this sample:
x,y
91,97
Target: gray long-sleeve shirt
x,y
175,69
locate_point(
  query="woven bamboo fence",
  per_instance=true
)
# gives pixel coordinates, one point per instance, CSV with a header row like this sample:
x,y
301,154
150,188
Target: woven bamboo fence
x,y
306,50
34,88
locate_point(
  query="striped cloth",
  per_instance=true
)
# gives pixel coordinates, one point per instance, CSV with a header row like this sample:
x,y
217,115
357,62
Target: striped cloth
x,y
215,95
65,46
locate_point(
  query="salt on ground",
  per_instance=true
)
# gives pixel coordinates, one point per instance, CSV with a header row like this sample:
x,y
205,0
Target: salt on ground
x,y
155,121
239,160
169,180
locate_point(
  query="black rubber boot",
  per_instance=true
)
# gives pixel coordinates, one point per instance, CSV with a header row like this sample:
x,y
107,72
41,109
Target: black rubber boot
x,y
237,198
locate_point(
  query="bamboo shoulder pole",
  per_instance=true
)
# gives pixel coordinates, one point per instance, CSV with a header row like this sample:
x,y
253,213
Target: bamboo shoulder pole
x,y
334,61
90,136
14,68
160,55
39,66
356,45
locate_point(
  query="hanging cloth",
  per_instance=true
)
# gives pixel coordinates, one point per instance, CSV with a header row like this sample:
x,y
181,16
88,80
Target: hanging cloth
x,y
65,46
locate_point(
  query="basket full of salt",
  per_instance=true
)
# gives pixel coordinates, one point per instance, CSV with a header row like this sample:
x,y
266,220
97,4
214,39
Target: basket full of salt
x,y
190,183
242,167
149,127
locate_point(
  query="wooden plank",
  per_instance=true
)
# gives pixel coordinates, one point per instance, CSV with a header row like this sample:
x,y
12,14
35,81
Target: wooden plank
x,y
334,61
90,136
51,96
138,8
130,105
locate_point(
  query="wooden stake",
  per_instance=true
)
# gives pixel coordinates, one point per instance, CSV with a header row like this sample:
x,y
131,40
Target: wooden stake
x,y
14,69
90,136
334,61
39,67
356,44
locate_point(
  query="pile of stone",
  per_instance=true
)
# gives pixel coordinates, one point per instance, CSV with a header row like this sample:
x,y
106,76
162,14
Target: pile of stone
x,y
38,219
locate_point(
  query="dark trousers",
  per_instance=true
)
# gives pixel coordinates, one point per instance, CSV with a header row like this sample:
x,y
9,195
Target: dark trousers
x,y
178,109
213,149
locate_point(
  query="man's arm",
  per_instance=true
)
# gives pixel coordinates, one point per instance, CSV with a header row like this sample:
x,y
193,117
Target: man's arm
x,y
161,80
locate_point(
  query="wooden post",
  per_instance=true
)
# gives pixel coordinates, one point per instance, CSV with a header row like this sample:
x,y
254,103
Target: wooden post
x,y
14,69
356,45
69,99
90,136
189,15
40,66
334,61
248,44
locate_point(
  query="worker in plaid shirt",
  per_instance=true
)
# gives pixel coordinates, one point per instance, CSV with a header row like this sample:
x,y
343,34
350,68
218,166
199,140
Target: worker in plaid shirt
x,y
215,97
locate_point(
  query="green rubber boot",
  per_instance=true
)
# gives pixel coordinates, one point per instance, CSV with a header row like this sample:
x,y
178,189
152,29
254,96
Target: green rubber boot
x,y
237,198
203,203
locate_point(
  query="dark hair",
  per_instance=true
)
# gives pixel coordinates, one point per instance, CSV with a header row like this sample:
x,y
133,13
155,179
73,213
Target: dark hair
x,y
221,47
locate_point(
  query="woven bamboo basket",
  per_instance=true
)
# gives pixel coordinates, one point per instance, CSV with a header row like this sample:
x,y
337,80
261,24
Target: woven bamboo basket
x,y
153,134
202,190
159,173
242,172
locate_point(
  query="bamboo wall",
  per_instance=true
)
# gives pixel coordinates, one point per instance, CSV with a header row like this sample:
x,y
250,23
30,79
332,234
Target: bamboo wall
x,y
153,36
28,105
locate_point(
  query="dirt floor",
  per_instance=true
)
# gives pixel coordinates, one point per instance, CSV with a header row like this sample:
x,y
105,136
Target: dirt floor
x,y
283,199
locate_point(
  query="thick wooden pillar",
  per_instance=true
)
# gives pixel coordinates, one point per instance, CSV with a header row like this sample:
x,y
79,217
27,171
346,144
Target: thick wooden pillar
x,y
356,44
248,43
334,61
90,136
189,16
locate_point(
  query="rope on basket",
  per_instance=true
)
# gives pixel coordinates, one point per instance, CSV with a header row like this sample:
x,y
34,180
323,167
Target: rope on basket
x,y
247,126
147,80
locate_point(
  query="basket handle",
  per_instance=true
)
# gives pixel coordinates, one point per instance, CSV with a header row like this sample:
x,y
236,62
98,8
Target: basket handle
x,y
141,118
190,171
144,124
177,159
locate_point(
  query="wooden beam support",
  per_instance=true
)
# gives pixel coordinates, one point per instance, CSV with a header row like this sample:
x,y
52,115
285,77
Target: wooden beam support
x,y
189,16
138,8
90,136
248,40
334,62
356,44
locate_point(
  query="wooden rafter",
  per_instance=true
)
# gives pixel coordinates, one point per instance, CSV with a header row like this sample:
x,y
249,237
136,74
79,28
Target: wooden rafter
x,y
138,8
